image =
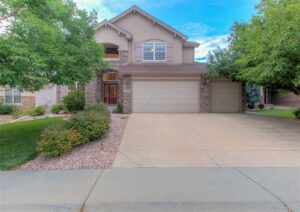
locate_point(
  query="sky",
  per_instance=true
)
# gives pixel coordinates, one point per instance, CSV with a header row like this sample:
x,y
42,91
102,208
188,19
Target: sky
x,y
205,21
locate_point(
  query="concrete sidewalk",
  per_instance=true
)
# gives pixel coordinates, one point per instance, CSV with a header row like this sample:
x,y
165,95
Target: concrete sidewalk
x,y
152,189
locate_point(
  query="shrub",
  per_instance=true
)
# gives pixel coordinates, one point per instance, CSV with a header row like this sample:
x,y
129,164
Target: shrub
x,y
57,108
118,108
90,124
261,106
297,113
99,108
250,105
38,111
74,101
55,143
6,109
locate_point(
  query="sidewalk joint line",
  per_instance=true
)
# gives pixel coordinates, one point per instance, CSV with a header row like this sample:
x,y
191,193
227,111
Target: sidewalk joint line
x,y
82,209
264,188
133,161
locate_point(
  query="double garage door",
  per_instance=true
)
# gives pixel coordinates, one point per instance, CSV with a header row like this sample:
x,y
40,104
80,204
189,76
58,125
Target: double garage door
x,y
183,96
165,96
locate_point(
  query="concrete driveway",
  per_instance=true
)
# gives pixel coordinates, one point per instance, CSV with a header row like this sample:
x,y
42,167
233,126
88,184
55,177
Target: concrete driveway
x,y
209,140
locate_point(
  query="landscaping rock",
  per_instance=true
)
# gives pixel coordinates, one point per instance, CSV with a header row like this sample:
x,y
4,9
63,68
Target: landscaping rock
x,y
97,154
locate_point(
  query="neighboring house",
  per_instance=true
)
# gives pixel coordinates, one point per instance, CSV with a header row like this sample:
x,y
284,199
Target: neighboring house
x,y
49,95
274,97
152,69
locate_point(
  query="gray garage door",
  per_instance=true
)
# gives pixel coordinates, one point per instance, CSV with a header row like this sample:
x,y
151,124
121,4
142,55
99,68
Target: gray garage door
x,y
225,97
155,96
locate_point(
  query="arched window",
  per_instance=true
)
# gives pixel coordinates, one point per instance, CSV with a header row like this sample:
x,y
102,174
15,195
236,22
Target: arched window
x,y
154,51
110,77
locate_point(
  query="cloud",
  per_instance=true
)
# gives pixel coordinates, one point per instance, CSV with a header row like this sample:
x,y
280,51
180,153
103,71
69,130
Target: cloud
x,y
195,29
103,11
208,44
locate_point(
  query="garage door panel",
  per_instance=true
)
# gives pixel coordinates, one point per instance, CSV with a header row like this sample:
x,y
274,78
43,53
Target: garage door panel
x,y
225,97
165,96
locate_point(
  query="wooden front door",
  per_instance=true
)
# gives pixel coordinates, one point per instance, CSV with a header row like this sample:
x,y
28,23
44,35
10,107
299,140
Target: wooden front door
x,y
110,94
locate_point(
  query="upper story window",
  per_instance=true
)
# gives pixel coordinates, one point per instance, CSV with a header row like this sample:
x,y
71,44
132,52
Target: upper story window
x,y
12,96
154,51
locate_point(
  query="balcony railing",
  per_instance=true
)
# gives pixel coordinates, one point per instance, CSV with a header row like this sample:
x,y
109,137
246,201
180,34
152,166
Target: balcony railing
x,y
111,56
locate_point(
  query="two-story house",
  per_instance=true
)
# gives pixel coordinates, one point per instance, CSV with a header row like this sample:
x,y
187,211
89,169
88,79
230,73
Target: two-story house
x,y
152,69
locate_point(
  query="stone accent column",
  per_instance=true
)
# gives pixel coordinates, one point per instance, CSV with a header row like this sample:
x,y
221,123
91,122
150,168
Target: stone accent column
x,y
93,91
120,98
204,95
243,85
127,94
123,56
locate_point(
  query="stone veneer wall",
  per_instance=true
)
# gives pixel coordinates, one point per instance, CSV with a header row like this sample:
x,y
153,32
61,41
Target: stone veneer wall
x,y
204,95
93,90
127,94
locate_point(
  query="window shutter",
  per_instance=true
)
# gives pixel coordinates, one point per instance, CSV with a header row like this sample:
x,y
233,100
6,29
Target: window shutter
x,y
169,56
139,52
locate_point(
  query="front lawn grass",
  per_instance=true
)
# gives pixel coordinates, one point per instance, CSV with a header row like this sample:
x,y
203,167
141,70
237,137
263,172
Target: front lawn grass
x,y
18,141
286,113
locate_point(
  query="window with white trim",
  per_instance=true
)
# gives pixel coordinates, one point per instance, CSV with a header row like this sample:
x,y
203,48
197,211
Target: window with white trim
x,y
12,96
154,51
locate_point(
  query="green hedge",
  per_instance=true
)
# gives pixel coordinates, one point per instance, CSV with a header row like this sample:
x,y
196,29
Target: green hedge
x,y
74,101
6,109
56,142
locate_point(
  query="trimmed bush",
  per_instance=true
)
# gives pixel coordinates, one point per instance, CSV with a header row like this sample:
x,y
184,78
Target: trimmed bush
x,y
118,108
261,106
74,101
38,111
99,108
57,108
7,109
90,124
56,142
297,113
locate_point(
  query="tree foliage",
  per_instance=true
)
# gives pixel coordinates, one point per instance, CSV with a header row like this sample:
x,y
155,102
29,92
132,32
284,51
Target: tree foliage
x,y
47,42
267,49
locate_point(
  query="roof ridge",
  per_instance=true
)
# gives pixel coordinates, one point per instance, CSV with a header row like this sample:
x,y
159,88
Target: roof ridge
x,y
116,27
155,20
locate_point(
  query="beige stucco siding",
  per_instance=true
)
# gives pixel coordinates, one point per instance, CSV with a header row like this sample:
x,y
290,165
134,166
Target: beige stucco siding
x,y
188,55
109,35
144,29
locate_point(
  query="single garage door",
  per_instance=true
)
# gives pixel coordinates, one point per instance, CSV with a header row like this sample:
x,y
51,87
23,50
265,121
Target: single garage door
x,y
165,96
225,97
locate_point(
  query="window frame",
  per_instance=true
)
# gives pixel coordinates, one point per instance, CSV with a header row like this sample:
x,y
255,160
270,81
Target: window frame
x,y
13,95
154,52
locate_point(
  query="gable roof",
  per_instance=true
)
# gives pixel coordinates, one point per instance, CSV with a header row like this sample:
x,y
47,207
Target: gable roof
x,y
152,18
106,23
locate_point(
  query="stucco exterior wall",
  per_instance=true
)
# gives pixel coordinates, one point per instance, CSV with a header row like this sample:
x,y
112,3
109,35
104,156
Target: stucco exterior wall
x,y
110,35
143,29
188,55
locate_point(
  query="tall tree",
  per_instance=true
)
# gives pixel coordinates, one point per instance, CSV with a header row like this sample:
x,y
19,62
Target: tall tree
x,y
47,42
265,51
271,46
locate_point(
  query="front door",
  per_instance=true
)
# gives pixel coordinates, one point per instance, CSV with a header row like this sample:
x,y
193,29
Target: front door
x,y
110,94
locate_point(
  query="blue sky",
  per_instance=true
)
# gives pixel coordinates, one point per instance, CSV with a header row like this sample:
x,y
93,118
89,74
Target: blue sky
x,y
205,21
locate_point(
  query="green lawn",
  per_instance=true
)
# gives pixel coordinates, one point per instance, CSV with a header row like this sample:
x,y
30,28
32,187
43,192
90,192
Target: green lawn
x,y
286,113
18,141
